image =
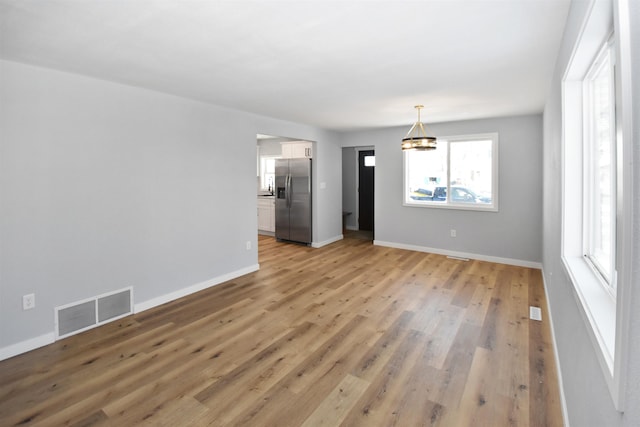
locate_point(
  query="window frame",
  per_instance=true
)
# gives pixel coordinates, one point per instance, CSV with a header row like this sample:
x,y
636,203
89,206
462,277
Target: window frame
x,y
606,317
606,278
448,204
264,186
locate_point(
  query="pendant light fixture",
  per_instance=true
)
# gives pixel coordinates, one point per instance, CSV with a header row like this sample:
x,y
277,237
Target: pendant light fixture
x,y
417,138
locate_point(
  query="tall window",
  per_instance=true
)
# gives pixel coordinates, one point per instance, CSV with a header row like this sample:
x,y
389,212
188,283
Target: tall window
x,y
462,173
600,179
597,196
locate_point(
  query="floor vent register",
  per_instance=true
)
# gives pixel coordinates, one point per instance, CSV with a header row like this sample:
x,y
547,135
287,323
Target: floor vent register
x,y
91,312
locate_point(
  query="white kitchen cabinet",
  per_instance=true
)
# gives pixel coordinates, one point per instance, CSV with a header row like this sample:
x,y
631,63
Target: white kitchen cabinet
x,y
267,214
297,150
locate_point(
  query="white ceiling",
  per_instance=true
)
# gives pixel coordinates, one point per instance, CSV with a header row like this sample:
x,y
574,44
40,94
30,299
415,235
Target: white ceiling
x,y
335,64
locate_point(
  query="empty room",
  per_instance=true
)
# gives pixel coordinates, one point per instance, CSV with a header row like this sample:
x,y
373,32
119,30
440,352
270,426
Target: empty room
x,y
320,213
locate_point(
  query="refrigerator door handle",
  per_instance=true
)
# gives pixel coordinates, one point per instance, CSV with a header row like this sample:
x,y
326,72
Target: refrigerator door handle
x,y
288,190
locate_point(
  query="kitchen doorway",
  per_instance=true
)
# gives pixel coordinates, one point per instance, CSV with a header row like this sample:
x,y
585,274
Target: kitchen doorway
x,y
273,220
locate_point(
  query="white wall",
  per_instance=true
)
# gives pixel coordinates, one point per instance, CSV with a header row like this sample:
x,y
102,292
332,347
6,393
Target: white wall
x,y
586,392
270,147
513,233
104,186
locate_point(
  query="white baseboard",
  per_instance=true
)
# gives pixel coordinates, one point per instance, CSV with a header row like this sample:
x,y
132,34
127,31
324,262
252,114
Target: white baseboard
x,y
352,227
499,260
163,299
49,338
327,242
27,345
563,400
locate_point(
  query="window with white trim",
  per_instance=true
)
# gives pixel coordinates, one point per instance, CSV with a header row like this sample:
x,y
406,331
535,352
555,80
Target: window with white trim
x,y
589,193
599,206
268,172
461,173
597,216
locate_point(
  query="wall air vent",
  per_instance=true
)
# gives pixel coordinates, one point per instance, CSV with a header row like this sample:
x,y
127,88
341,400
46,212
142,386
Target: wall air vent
x,y
91,312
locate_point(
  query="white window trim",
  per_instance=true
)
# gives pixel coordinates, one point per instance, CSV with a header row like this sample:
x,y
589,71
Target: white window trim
x,y
589,171
606,316
495,149
261,172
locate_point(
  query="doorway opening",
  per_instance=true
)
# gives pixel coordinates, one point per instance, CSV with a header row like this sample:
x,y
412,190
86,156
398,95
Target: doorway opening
x,y
272,151
358,174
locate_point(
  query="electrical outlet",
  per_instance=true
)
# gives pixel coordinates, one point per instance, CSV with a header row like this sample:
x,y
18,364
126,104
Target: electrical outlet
x,y
248,245
453,233
28,301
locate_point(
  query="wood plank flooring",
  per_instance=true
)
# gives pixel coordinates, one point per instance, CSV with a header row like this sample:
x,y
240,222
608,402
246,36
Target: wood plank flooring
x,y
350,334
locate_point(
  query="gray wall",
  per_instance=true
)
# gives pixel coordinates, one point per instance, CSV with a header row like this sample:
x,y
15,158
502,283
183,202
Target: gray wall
x,y
104,186
586,392
514,232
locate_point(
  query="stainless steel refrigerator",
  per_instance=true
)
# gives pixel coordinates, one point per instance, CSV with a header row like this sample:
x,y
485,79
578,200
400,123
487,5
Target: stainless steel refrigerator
x,y
293,200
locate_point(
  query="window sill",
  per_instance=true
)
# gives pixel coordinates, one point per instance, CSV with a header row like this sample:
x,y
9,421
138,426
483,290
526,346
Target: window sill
x,y
598,307
459,206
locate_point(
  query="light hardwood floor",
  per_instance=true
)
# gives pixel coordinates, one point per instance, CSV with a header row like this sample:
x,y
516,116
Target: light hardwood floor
x,y
349,334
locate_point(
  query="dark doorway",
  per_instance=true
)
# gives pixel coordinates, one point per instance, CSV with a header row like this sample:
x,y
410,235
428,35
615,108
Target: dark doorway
x,y
366,168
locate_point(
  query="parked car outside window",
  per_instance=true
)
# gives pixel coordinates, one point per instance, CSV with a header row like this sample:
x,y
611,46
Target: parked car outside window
x,y
459,194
